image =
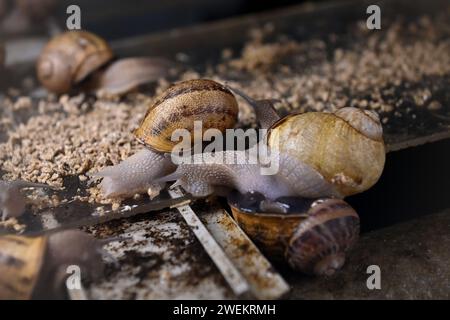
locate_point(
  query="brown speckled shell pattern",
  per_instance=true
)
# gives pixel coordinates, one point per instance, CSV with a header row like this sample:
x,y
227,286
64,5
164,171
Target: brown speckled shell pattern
x,y
332,227
182,104
21,260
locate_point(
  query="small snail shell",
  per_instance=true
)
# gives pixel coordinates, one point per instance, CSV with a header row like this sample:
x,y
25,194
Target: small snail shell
x,y
69,58
36,266
313,236
346,147
182,104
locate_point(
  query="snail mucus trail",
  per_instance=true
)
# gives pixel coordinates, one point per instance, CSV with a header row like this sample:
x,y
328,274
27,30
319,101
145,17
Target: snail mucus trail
x,y
309,167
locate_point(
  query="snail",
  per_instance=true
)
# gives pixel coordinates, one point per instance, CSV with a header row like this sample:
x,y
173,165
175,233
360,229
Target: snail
x,y
176,108
313,236
83,60
69,58
36,267
345,148
12,202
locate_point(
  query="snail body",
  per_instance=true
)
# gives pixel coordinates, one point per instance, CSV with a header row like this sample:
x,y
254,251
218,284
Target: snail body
x,y
179,107
69,58
313,237
293,178
35,267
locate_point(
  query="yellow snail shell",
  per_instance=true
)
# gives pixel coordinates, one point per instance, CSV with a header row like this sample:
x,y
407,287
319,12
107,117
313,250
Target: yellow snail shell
x,y
346,147
182,104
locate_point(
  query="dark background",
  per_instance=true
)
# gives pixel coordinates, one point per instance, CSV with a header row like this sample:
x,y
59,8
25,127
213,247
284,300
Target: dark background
x,y
115,19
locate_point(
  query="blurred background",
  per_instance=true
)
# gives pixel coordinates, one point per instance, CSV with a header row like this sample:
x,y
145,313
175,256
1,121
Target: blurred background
x,y
118,19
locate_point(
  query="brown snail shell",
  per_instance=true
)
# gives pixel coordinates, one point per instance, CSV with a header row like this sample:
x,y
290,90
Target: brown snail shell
x,y
319,243
182,104
21,259
313,237
69,58
346,147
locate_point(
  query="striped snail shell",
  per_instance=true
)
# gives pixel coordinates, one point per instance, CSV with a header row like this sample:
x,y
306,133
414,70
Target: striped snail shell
x,y
346,146
182,104
313,236
176,108
69,58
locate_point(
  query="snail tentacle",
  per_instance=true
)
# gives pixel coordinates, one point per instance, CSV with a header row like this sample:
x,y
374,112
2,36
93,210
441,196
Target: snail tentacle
x,y
264,110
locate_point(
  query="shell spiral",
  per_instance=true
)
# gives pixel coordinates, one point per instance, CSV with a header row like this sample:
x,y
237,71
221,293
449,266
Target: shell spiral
x,y
183,104
319,243
69,58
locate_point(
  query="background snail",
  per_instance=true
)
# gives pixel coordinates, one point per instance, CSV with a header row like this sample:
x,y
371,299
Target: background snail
x,y
176,108
69,58
74,56
313,236
12,202
36,267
